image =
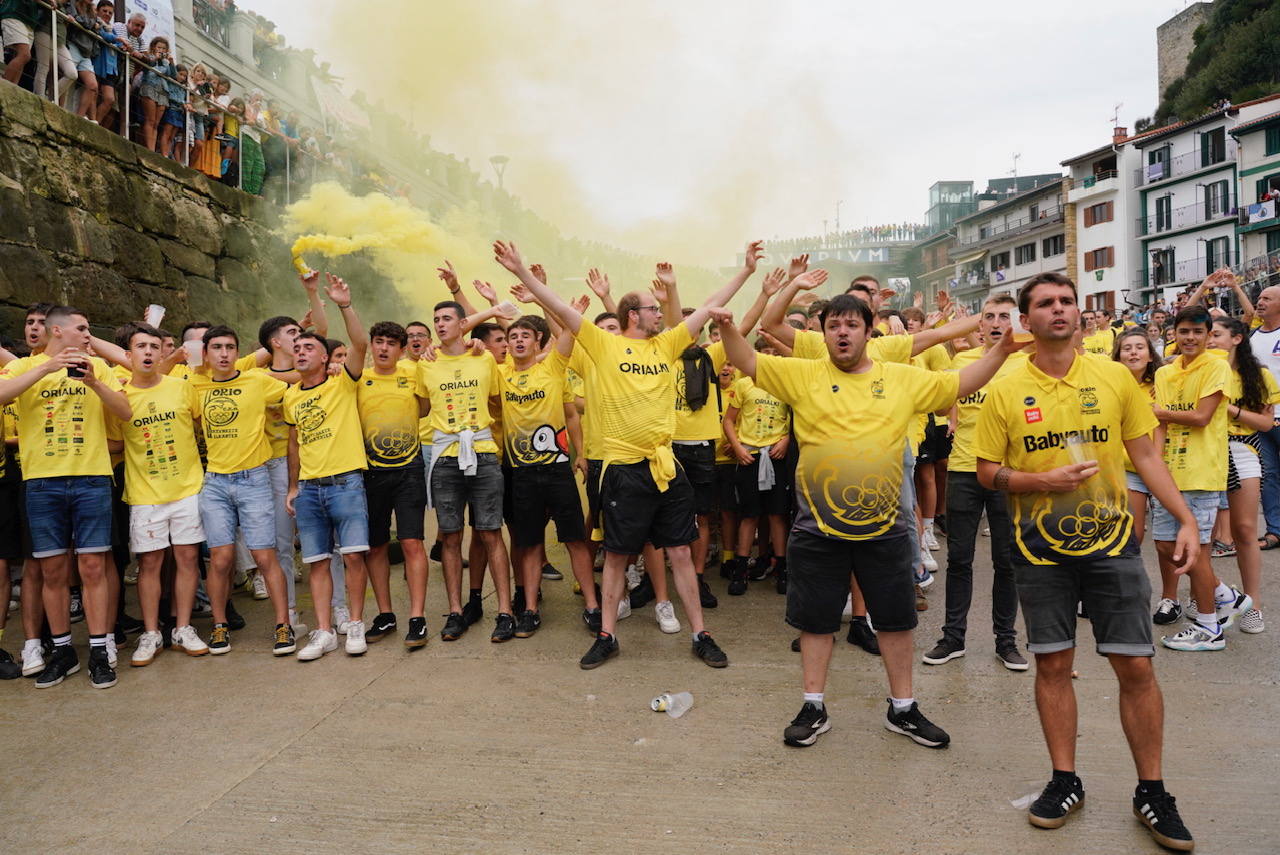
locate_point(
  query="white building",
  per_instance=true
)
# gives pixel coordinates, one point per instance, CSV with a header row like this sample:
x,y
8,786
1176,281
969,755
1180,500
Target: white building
x,y
1007,241
1102,190
1258,165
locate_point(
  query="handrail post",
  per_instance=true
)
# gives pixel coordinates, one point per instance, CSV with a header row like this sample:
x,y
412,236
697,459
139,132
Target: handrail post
x,y
53,42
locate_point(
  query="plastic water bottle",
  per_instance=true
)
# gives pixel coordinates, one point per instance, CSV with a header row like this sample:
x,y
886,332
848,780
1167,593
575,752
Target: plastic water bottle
x,y
674,704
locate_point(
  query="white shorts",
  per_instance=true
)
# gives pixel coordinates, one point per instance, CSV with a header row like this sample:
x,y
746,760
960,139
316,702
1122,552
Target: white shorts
x,y
154,527
1245,459
15,32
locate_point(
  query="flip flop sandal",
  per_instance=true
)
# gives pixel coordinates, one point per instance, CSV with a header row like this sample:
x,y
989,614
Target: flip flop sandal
x,y
1269,541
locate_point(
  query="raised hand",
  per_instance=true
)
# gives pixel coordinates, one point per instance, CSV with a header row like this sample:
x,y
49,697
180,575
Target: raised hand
x,y
659,291
798,265
598,283
773,281
506,311
477,347
917,300
521,293
484,289
306,323
508,256
722,316
810,280
895,326
931,320
538,273
448,275
337,290
310,281
751,258
665,274
579,303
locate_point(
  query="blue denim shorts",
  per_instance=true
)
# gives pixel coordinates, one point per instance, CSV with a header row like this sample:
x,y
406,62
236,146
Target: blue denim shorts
x,y
71,511
328,506
238,500
1203,505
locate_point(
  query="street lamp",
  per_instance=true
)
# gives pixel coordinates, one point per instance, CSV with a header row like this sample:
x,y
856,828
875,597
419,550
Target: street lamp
x,y
499,162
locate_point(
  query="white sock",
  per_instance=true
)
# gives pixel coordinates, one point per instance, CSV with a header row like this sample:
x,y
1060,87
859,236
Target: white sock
x,y
1209,622
1223,594
928,523
901,704
814,698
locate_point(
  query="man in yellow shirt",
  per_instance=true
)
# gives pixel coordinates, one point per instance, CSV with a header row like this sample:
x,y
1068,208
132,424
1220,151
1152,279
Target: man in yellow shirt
x,y
62,397
162,480
326,465
850,413
1099,338
1053,434
645,497
236,496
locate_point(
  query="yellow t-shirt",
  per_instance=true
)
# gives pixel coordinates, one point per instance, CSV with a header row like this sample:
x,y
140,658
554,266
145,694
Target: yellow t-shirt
x,y
533,420
183,371
1100,342
1196,457
704,424
327,420
61,424
234,417
850,428
581,365
1235,394
388,406
634,392
459,388
1024,424
1148,389
161,459
933,358
810,344
762,419
967,408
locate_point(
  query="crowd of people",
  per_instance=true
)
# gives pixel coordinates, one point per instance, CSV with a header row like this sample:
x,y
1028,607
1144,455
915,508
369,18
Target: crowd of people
x,y
824,448
890,233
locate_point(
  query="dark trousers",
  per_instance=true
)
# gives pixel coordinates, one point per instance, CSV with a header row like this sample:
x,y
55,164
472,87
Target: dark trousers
x,y
966,500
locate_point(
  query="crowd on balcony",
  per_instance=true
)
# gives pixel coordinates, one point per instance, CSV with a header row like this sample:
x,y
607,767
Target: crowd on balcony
x,y
890,233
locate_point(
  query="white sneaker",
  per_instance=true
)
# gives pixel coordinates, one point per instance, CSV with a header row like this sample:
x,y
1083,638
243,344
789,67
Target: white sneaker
x,y
929,541
113,654
355,638
299,628
633,577
930,563
341,619
318,644
624,608
32,658
149,644
847,614
187,638
1195,638
259,587
240,579
986,531
1238,604
667,621
1250,622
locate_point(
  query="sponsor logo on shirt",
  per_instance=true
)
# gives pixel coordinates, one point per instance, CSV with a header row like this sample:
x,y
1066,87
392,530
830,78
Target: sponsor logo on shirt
x,y
1054,438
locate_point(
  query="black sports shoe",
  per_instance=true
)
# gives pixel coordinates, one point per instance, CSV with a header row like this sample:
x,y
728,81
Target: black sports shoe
x,y
810,723
434,555
471,613
234,621
62,663
780,576
604,648
1167,612
1059,798
381,626
549,572
643,594
1159,814
862,635
706,649
417,635
591,617
77,605
795,644
759,569
705,596
504,628
912,724
454,627
101,674
285,641
726,568
131,625
944,651
738,581
9,670
1009,655
527,624
120,637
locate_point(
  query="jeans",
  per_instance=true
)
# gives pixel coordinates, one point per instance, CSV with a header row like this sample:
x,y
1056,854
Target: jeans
x,y
238,500
907,509
1270,451
332,507
966,499
278,471
70,511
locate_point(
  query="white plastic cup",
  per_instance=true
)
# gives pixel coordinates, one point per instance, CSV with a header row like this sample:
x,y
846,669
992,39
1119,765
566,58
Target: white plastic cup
x,y
195,352
674,704
154,314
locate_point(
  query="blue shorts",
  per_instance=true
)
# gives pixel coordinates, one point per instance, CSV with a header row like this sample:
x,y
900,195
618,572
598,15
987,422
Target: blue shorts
x,y
1203,505
1134,482
326,506
238,500
175,116
71,511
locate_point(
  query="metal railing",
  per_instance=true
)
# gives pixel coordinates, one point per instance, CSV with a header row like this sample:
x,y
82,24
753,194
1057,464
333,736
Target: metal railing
x,y
213,21
1187,270
1183,164
1091,180
1012,228
1188,215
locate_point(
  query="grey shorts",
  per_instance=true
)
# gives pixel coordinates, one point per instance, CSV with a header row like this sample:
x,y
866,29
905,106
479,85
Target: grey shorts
x,y
452,493
1115,592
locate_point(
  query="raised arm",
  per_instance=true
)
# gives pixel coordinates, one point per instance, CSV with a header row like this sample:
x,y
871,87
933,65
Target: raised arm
x,y
111,352
772,320
664,291
450,278
696,321
736,348
508,256
599,285
978,373
772,285
315,306
357,338
960,328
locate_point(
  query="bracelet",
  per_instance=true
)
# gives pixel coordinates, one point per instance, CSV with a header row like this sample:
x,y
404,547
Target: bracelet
x,y
340,306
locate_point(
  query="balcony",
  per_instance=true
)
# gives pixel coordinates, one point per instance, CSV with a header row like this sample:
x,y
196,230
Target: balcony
x,y
1200,213
1092,185
1189,270
1012,228
1183,164
213,18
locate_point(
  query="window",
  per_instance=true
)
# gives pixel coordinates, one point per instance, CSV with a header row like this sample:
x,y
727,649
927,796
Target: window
x,y
1216,200
1273,241
1213,147
1034,213
1164,213
1162,266
1098,258
1055,245
1024,254
984,232
1268,184
1103,212
1158,163
999,261
1217,253
1273,140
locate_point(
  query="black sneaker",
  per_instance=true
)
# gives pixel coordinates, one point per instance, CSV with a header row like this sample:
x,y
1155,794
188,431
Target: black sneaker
x,y
131,625
285,642
504,628
77,606
454,627
759,569
807,726
706,649
643,594
591,617
380,627
62,663
549,572
780,576
219,640
528,623
912,724
1159,814
9,670
1167,612
234,621
795,644
1059,798
101,674
417,635
705,596
726,568
862,635
1009,655
944,651
738,581
434,555
471,613
120,637
604,648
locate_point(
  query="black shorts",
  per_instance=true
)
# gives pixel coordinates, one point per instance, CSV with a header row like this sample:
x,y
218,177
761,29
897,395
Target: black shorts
x,y
635,512
402,490
936,445
818,581
726,494
12,516
594,468
751,500
699,462
539,493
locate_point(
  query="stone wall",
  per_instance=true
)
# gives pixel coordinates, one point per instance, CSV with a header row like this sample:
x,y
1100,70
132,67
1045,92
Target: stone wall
x,y
1174,43
90,219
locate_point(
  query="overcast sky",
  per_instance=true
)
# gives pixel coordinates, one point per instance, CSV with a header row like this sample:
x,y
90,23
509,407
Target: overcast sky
x,y
687,127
